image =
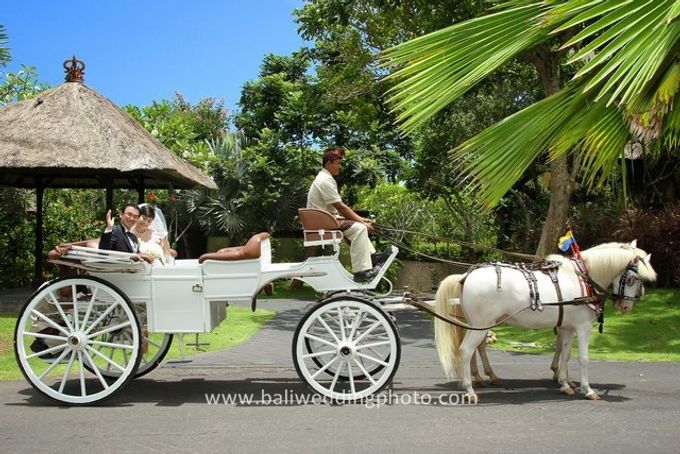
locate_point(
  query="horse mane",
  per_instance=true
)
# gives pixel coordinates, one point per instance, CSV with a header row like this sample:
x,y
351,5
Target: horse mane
x,y
610,259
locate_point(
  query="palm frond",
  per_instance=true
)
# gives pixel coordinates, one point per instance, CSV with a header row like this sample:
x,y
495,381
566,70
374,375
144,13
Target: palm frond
x,y
631,42
219,215
674,12
435,69
5,56
497,157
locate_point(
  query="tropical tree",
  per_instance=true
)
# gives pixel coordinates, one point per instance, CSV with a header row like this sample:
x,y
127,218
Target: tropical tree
x,y
625,73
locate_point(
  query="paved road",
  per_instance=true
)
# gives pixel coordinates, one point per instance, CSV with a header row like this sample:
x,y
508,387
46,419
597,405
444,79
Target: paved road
x,y
168,410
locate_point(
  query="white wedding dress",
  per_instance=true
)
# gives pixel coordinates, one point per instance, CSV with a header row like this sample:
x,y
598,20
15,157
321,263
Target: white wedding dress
x,y
154,245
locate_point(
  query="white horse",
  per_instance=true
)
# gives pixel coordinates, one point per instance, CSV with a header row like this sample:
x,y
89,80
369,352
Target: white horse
x,y
485,304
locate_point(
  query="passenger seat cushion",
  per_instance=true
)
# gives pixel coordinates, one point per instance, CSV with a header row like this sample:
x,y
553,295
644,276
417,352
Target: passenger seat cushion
x,y
251,250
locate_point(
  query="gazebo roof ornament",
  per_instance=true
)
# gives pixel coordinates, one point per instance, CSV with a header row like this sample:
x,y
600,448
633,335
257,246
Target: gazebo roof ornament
x,y
75,70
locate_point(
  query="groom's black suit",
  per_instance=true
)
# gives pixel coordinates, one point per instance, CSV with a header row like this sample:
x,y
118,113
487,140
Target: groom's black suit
x,y
118,240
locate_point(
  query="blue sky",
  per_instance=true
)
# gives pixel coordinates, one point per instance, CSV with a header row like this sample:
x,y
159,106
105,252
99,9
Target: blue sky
x,y
144,50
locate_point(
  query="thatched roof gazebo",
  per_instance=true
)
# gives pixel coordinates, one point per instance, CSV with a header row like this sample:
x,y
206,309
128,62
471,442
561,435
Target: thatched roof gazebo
x,y
72,137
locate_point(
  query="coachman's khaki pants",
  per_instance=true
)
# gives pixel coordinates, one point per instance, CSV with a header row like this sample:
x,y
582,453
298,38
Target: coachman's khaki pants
x,y
361,249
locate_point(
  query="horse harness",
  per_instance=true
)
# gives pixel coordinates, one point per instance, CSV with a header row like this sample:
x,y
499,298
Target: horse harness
x,y
594,295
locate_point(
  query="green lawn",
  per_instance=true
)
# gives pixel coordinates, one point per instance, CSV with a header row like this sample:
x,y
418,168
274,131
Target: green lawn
x,y
651,332
239,326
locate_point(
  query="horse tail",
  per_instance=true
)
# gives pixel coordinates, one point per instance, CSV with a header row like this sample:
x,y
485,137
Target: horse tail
x,y
447,336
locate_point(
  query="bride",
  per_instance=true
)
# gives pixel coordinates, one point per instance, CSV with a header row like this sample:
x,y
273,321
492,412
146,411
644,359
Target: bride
x,y
152,233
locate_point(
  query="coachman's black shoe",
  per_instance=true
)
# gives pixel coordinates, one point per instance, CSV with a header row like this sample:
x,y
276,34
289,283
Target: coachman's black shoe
x,y
379,258
366,275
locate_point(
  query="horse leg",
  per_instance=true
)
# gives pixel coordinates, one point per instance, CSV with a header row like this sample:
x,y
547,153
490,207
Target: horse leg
x,y
565,339
583,342
555,365
477,379
467,348
487,365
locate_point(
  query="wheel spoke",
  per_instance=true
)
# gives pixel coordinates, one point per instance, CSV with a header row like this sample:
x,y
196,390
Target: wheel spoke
x,y
101,317
109,329
50,322
341,321
357,321
335,378
111,344
54,364
74,296
318,339
54,349
90,306
61,311
44,336
351,376
94,367
315,354
363,370
370,358
368,331
374,344
83,388
323,369
68,371
374,351
110,361
328,328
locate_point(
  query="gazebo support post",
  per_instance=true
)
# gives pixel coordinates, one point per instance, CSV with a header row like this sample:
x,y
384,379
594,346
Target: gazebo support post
x,y
37,274
140,190
109,197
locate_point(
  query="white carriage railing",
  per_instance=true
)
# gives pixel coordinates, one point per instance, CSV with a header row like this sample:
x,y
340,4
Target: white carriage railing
x,y
93,259
335,239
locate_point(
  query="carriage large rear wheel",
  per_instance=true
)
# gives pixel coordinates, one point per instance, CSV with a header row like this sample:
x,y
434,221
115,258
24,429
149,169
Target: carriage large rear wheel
x,y
355,339
59,335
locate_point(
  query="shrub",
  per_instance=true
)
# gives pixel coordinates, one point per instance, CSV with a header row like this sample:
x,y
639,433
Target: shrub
x,y
657,232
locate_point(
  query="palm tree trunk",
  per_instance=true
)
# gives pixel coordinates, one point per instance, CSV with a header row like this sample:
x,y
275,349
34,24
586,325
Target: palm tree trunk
x,y
561,189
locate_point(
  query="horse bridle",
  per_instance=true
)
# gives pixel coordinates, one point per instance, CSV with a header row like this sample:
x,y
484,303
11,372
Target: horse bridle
x,y
628,278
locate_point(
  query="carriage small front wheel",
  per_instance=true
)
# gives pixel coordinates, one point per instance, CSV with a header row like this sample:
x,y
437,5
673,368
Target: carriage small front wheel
x,y
355,339
61,340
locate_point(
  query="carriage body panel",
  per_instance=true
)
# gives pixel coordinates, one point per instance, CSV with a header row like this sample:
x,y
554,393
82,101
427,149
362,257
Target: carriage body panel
x,y
191,297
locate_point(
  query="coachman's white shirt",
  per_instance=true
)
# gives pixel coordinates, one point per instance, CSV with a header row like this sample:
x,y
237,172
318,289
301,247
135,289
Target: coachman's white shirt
x,y
323,193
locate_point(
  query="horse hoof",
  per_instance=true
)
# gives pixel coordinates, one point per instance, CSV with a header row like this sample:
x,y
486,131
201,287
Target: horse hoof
x,y
572,384
593,396
567,391
472,398
496,381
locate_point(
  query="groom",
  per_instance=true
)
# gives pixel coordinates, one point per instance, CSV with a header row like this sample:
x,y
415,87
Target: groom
x,y
119,237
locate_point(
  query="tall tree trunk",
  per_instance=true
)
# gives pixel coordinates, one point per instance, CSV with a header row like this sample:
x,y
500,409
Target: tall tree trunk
x,y
561,189
561,181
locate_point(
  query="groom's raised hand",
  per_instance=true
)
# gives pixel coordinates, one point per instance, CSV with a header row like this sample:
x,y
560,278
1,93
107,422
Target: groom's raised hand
x,y
109,220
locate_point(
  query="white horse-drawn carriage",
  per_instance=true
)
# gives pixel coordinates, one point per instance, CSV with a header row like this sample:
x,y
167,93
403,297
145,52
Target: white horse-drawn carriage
x,y
115,320
100,328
